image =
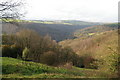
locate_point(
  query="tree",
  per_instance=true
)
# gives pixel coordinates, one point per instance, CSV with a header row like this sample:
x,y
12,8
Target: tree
x,y
31,40
29,45
10,10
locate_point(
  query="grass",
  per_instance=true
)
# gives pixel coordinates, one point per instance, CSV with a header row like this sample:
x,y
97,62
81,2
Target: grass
x,y
44,75
14,68
91,34
92,73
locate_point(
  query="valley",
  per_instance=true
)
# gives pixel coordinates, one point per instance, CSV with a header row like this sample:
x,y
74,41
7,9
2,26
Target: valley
x,y
59,39
60,50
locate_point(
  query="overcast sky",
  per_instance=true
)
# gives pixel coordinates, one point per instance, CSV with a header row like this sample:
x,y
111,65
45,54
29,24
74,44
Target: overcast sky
x,y
84,10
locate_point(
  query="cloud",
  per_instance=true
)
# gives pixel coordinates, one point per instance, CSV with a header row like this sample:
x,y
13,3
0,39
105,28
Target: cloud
x,y
90,10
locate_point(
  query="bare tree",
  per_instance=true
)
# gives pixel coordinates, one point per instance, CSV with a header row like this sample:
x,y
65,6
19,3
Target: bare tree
x,y
10,9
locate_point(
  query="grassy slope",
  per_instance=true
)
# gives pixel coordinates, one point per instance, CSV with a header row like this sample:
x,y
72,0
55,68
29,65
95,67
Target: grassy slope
x,y
15,68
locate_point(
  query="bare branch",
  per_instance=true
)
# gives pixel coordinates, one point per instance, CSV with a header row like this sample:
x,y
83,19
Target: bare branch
x,y
10,10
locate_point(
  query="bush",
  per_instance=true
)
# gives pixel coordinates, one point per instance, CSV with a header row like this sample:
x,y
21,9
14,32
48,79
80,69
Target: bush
x,y
114,62
11,51
6,51
25,53
48,58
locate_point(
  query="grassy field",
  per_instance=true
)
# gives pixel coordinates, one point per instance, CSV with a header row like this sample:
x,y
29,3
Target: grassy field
x,y
14,68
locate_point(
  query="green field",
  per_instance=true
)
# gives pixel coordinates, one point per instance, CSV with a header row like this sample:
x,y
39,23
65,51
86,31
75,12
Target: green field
x,y
14,68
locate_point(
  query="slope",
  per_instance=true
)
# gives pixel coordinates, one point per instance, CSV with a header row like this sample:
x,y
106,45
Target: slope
x,y
57,30
102,47
15,68
95,30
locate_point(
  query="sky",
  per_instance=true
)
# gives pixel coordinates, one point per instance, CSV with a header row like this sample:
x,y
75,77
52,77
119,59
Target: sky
x,y
83,10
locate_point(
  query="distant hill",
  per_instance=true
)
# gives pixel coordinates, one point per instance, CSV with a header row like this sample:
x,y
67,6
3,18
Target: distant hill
x,y
95,30
112,25
67,22
58,30
77,22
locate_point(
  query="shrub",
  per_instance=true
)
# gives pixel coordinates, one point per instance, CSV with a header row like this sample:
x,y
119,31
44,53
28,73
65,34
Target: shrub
x,y
10,51
25,53
114,62
6,51
48,58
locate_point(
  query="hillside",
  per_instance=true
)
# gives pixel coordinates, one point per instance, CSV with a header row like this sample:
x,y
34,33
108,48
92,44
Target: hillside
x,y
58,30
77,22
15,68
95,30
93,50
93,44
67,22
103,47
26,69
